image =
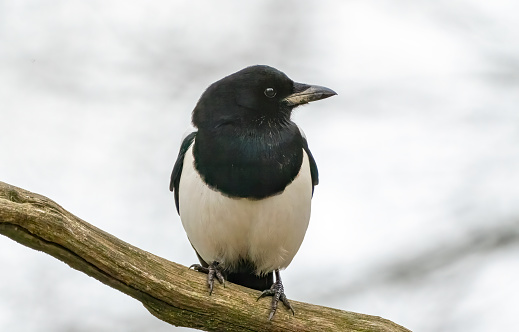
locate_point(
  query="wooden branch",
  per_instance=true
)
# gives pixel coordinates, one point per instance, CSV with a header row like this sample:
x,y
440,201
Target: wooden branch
x,y
170,291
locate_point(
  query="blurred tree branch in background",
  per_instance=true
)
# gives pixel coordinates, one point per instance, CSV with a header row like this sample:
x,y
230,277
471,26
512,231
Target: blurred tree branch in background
x,y
421,266
170,291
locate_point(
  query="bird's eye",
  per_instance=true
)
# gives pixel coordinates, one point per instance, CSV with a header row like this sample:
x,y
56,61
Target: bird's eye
x,y
270,92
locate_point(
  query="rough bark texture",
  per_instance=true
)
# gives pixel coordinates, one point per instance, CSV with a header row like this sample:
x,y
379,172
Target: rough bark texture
x,y
168,290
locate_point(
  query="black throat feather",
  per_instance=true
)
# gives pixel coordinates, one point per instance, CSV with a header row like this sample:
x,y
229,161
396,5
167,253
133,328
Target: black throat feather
x,y
245,162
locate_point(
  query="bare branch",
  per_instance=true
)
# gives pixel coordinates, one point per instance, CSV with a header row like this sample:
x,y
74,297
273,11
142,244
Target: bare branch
x,y
168,290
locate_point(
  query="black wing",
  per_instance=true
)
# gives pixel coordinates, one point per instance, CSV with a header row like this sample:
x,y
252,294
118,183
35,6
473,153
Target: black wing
x,y
179,164
313,166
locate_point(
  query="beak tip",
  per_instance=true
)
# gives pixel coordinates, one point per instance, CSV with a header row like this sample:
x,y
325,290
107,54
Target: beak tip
x,y
327,92
308,93
332,93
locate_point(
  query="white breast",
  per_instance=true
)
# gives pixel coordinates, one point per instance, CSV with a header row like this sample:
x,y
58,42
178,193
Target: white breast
x,y
267,232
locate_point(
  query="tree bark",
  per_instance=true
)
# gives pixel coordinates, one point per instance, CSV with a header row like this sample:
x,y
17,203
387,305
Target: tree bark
x,y
171,292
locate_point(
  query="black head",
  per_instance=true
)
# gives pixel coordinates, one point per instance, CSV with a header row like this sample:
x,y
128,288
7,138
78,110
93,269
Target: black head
x,y
253,96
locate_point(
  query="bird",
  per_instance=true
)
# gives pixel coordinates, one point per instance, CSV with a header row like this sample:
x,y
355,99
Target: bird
x,y
244,179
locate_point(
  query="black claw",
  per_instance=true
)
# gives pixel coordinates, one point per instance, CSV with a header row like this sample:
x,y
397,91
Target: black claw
x,y
277,292
287,304
214,269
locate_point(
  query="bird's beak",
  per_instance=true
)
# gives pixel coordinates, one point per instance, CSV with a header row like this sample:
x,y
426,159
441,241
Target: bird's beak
x,y
305,93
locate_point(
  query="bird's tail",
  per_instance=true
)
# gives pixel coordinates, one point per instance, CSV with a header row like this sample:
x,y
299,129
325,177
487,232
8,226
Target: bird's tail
x,y
251,280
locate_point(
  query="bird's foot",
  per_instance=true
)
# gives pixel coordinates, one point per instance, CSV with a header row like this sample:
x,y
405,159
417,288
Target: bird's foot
x,y
277,291
213,270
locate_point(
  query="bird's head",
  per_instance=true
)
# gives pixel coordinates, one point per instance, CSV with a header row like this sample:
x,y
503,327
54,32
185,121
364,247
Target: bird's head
x,y
254,96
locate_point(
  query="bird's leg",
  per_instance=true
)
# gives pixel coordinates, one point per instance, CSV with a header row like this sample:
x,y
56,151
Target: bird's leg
x,y
214,269
277,291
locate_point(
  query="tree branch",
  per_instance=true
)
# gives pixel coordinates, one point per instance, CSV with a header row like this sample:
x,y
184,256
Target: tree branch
x,y
170,291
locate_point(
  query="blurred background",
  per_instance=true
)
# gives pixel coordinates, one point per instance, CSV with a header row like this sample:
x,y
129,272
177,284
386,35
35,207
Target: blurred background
x,y
416,217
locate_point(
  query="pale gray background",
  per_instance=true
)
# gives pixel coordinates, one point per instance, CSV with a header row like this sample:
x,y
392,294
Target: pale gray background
x,y
416,217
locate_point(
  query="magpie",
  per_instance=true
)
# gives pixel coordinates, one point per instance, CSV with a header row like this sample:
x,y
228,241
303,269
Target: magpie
x,y
244,179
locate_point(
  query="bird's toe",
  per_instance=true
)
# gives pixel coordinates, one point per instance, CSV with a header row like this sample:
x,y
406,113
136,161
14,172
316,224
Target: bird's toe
x,y
277,292
214,270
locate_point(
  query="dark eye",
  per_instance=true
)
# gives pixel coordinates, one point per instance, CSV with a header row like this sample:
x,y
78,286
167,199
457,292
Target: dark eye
x,y
270,92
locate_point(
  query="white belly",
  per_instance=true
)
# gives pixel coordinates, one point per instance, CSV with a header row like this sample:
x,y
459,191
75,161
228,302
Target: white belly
x,y
267,232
